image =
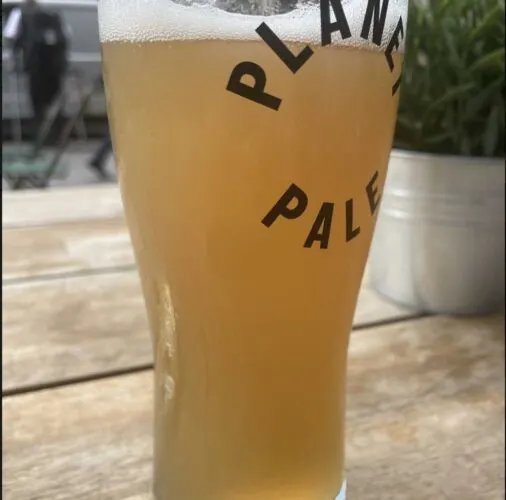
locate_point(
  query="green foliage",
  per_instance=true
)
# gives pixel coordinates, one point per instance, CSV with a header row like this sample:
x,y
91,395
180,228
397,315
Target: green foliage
x,y
452,92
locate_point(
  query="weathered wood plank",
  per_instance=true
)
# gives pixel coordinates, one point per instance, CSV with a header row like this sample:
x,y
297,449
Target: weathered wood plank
x,y
54,206
93,438
61,329
65,248
425,421
437,386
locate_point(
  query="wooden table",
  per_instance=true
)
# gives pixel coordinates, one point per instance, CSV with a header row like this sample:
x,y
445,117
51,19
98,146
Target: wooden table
x,y
426,394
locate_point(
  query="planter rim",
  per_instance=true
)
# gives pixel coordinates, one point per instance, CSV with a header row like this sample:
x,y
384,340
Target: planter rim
x,y
406,153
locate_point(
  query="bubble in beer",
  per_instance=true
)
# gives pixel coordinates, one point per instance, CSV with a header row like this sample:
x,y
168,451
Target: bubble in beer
x,y
169,388
141,21
168,322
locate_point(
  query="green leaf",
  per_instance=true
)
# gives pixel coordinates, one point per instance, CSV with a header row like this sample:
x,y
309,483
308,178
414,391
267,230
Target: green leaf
x,y
438,138
454,56
491,132
465,145
411,125
500,111
446,104
487,23
451,95
478,101
493,60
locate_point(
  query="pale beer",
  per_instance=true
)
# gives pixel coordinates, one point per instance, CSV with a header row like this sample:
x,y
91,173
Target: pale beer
x,y
251,228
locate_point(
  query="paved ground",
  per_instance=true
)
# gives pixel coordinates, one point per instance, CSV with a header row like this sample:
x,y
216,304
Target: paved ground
x,y
78,173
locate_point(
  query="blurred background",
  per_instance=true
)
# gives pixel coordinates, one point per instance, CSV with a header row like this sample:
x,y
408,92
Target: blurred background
x,y
84,67
452,99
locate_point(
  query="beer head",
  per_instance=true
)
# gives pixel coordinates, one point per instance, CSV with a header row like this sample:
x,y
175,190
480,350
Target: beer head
x,y
140,21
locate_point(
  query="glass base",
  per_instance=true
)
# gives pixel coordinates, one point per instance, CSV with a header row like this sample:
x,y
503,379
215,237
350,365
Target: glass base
x,y
340,496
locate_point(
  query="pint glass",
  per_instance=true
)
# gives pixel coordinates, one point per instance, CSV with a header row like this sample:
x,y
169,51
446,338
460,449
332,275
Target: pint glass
x,y
251,142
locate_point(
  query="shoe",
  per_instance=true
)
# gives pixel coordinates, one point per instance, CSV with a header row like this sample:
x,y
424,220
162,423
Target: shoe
x,y
98,168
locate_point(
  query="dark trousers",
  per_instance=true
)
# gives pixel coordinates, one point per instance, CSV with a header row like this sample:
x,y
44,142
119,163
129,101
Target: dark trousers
x,y
101,154
44,88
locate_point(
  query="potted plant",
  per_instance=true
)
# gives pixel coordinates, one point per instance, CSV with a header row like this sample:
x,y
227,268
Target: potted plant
x,y
439,241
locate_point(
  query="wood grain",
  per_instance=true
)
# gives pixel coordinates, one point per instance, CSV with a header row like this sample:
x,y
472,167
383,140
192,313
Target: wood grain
x,y
426,410
67,328
425,422
62,329
94,440
65,248
55,206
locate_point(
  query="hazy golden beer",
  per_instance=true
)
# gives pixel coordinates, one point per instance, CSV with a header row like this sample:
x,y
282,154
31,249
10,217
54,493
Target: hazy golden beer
x,y
250,327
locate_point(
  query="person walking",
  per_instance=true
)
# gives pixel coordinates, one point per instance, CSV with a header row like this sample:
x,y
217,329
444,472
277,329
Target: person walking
x,y
41,38
97,162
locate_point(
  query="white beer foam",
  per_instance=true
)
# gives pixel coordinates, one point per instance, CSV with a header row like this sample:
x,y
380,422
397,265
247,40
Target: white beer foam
x,y
141,21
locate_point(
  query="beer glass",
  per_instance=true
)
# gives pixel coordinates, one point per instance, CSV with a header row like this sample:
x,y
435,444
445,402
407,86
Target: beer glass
x,y
251,140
